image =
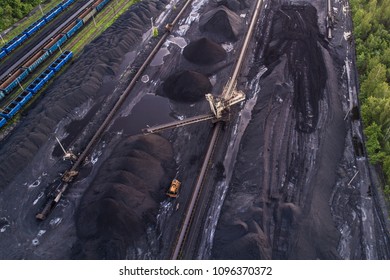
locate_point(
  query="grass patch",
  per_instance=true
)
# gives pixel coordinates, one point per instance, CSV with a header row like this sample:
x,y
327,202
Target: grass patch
x,y
103,20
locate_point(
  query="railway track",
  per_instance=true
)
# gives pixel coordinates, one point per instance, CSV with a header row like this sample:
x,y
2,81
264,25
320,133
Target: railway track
x,y
73,171
10,66
186,237
29,66
28,33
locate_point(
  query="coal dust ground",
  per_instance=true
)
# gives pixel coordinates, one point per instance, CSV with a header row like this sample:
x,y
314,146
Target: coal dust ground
x,y
281,200
280,180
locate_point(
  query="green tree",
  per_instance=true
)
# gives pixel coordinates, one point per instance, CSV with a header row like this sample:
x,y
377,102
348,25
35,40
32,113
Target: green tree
x,y
376,83
374,136
372,38
13,10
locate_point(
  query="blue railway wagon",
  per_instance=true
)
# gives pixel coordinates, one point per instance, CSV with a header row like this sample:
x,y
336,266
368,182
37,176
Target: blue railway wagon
x,y
24,97
2,94
49,72
11,110
74,27
54,44
57,64
34,27
37,59
66,4
67,55
61,60
31,29
40,23
36,85
53,13
40,81
12,81
46,75
100,6
10,45
15,42
23,74
2,54
3,121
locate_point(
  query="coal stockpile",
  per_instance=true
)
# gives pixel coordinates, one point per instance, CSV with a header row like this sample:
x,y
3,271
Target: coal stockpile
x,y
234,5
221,25
241,237
124,197
81,82
295,33
204,52
186,86
277,204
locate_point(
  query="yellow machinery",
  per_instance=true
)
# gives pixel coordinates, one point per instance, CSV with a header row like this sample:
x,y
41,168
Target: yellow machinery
x,y
174,188
219,105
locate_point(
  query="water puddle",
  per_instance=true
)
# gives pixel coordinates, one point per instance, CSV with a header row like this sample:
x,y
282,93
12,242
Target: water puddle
x,y
145,79
178,41
194,15
168,8
37,182
159,58
183,29
149,111
127,60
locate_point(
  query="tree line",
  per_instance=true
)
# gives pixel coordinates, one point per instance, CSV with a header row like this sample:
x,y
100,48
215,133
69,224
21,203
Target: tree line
x,y
12,11
371,19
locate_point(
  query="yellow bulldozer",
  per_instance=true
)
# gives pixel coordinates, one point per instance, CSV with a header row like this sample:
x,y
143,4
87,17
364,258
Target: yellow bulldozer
x,y
174,188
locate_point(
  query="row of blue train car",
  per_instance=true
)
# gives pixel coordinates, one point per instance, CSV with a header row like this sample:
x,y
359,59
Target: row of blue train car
x,y
34,27
28,67
24,97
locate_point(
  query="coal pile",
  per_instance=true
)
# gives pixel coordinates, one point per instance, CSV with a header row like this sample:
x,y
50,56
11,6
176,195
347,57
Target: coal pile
x,y
186,86
124,197
242,237
81,82
204,52
277,204
234,5
295,33
221,24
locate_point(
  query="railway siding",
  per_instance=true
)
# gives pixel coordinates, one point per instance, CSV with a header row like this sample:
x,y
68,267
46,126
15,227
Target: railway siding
x,y
53,44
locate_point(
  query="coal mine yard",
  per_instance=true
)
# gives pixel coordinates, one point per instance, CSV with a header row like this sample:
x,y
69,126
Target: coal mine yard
x,y
287,175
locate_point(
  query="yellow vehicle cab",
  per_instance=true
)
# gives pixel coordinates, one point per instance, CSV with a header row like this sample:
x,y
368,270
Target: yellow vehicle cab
x,y
174,188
